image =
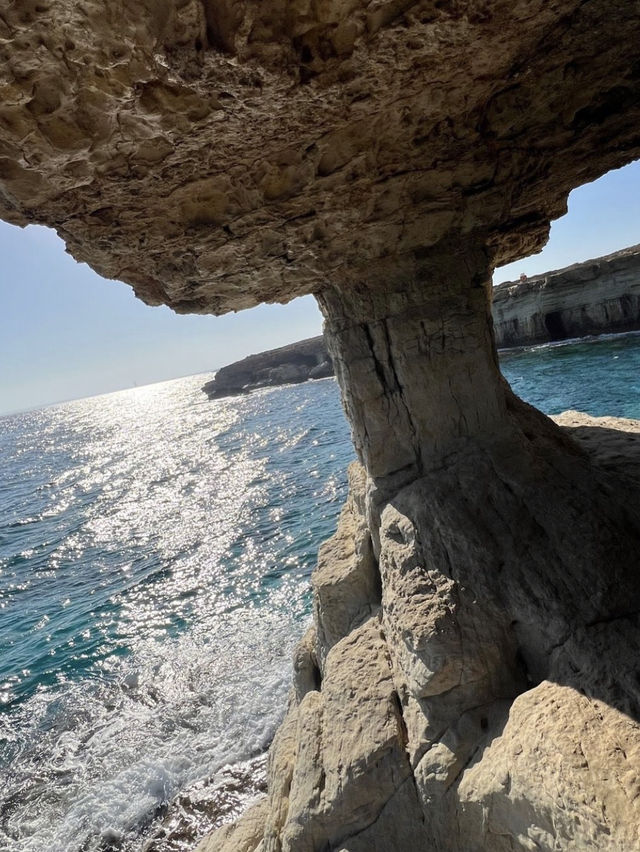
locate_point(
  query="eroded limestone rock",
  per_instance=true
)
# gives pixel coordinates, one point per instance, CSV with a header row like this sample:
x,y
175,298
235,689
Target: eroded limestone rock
x,y
487,758
346,581
244,835
611,441
561,774
215,154
297,362
384,156
346,767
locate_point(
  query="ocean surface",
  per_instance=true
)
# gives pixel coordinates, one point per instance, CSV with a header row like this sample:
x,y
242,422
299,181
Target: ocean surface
x,y
155,555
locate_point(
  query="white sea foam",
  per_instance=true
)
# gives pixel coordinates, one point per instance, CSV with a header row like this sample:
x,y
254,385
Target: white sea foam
x,y
103,761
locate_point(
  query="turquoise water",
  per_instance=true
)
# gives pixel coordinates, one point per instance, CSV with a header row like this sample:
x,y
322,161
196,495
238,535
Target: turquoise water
x,y
155,554
600,376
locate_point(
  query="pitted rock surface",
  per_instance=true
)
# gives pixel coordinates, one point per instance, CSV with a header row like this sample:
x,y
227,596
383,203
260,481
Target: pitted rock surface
x,y
219,154
497,762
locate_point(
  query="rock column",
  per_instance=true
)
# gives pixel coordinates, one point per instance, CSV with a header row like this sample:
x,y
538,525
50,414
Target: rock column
x,y
472,607
416,362
499,544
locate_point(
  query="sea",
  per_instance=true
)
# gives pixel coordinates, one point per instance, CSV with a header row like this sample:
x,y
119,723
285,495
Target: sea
x,y
155,558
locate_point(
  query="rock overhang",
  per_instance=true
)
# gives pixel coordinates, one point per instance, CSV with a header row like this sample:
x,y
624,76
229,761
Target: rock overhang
x,y
218,155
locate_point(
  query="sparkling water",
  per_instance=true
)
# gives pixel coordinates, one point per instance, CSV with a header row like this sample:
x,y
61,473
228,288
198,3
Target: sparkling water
x,y
155,554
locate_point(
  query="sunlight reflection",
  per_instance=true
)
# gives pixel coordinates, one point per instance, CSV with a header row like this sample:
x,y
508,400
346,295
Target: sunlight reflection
x,y
173,542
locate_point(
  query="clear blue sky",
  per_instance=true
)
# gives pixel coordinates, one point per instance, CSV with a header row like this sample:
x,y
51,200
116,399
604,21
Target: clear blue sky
x,y
67,333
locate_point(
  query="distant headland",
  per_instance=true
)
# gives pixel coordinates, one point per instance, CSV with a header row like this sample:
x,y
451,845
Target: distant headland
x,y
595,297
297,362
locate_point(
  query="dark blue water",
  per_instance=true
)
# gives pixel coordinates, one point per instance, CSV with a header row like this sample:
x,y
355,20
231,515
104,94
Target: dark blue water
x,y
155,554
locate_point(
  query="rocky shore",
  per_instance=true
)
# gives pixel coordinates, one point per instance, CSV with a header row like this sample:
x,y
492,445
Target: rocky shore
x,y
354,758
472,682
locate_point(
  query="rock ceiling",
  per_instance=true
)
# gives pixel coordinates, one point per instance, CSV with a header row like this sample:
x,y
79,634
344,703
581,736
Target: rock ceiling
x,y
219,154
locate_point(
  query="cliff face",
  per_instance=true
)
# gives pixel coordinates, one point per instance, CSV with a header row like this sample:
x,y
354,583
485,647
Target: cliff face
x,y
586,298
479,690
297,362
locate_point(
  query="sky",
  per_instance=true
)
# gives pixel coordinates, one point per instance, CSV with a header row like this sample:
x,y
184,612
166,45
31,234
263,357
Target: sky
x,y
66,333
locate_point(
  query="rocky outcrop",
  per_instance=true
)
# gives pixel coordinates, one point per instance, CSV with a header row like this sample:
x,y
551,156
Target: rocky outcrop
x,y
385,156
297,362
417,763
600,295
216,155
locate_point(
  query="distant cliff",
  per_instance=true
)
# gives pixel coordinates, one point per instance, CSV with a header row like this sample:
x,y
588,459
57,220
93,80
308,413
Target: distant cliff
x,y
601,295
297,362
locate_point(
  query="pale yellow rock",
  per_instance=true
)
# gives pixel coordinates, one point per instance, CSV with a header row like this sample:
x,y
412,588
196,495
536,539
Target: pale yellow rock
x,y
384,156
613,442
346,581
282,757
219,154
564,773
457,742
306,668
601,295
244,835
351,770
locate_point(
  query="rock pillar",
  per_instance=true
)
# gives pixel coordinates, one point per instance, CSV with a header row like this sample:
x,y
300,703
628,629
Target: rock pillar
x,y
462,688
503,487
416,362
500,546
